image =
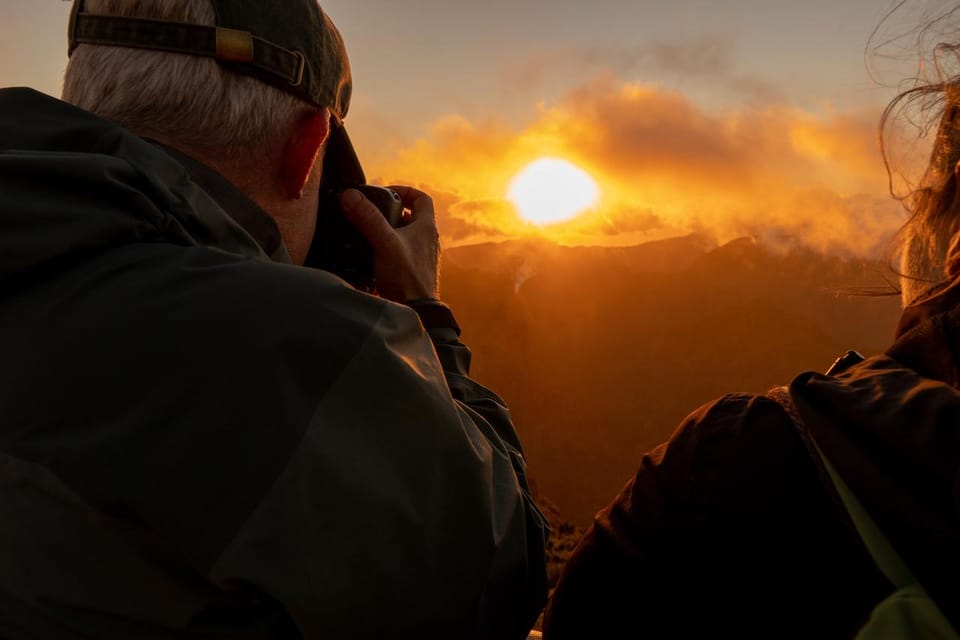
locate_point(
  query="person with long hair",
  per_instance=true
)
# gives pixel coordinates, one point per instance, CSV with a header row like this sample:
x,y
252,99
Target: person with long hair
x,y
738,526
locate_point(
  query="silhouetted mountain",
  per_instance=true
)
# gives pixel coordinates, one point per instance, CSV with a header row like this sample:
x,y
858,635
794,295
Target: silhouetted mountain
x,y
601,352
522,257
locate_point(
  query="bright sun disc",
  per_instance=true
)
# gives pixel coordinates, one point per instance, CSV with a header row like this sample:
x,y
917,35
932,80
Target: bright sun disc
x,y
552,190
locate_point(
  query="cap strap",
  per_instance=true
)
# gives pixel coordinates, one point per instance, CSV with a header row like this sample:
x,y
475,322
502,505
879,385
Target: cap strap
x,y
225,45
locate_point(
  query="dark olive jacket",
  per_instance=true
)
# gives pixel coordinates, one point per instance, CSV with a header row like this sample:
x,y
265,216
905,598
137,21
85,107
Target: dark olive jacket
x,y
197,435
731,528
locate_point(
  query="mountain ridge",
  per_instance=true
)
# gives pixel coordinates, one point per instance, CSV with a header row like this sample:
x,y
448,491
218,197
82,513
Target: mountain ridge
x,y
601,351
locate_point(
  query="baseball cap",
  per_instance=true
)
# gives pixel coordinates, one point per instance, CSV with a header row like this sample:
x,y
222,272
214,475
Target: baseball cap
x,y
290,44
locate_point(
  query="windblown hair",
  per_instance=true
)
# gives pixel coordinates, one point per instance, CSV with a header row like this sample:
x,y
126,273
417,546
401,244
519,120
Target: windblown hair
x,y
184,100
928,246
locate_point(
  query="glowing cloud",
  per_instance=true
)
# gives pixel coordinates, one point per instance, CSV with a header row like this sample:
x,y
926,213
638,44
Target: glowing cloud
x,y
665,167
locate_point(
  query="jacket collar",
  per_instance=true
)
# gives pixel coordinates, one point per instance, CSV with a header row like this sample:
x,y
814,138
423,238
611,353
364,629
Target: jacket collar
x,y
928,335
244,211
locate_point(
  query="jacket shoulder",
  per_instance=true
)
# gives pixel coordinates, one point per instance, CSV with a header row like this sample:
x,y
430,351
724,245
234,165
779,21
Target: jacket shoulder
x,y
729,510
741,429
223,305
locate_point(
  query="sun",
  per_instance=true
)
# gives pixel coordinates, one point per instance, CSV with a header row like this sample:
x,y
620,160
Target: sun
x,y
552,190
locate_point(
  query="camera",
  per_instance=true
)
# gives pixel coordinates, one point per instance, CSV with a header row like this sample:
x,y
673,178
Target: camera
x,y
337,246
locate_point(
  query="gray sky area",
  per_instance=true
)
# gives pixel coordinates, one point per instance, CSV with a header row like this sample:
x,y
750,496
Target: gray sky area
x,y
693,113
416,60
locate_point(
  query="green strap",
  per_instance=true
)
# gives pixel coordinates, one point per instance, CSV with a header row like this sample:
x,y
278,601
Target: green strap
x,y
886,557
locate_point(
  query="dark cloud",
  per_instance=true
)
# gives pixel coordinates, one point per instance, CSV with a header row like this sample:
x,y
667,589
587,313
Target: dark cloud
x,y
645,134
710,57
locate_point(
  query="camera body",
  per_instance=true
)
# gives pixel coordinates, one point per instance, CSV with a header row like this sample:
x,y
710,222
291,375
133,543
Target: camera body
x,y
337,246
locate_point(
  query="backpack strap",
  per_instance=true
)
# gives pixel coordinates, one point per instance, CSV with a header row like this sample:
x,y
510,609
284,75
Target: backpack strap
x,y
882,551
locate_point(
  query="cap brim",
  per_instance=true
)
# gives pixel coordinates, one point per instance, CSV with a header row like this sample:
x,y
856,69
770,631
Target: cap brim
x,y
341,166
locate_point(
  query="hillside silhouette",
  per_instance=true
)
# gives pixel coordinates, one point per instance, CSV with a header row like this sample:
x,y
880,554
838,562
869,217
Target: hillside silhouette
x,y
601,352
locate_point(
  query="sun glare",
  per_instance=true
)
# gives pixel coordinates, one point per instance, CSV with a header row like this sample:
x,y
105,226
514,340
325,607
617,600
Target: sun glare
x,y
552,190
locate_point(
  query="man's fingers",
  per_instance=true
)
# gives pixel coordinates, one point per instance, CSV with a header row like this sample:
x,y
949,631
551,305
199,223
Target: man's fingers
x,y
419,203
408,195
366,218
405,259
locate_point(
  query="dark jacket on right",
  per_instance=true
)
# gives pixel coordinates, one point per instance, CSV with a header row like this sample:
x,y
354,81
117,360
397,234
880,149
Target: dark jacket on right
x,y
731,529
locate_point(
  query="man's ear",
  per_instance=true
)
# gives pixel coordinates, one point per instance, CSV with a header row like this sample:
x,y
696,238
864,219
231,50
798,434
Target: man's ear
x,y
301,152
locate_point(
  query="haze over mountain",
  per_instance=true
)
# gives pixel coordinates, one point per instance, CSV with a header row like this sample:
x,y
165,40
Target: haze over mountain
x,y
600,352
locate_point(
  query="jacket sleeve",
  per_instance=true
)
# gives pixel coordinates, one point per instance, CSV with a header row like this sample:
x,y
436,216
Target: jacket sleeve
x,y
404,513
724,530
521,587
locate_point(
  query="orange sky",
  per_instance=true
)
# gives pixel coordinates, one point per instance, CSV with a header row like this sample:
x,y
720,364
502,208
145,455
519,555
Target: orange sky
x,y
730,119
665,167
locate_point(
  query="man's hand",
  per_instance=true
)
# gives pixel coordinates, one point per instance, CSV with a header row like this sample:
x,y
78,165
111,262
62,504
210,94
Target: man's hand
x,y
404,259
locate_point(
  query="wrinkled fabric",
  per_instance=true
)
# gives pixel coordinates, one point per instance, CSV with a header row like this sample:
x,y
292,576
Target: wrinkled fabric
x,y
732,529
193,432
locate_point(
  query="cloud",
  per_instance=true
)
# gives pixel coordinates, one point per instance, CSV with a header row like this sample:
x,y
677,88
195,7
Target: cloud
x,y
667,166
632,130
709,58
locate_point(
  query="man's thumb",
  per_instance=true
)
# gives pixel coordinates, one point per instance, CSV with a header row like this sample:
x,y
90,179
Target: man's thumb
x,y
365,217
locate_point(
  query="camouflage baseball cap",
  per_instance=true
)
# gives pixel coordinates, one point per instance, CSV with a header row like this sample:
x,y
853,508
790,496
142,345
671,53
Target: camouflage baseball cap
x,y
290,44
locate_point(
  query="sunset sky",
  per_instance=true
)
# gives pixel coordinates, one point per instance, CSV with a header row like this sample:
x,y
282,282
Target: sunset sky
x,y
746,117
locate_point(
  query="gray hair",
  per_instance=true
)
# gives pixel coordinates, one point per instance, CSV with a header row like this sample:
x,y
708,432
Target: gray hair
x,y
183,100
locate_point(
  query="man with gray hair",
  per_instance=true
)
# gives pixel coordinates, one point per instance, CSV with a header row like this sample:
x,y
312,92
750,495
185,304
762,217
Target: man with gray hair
x,y
202,435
